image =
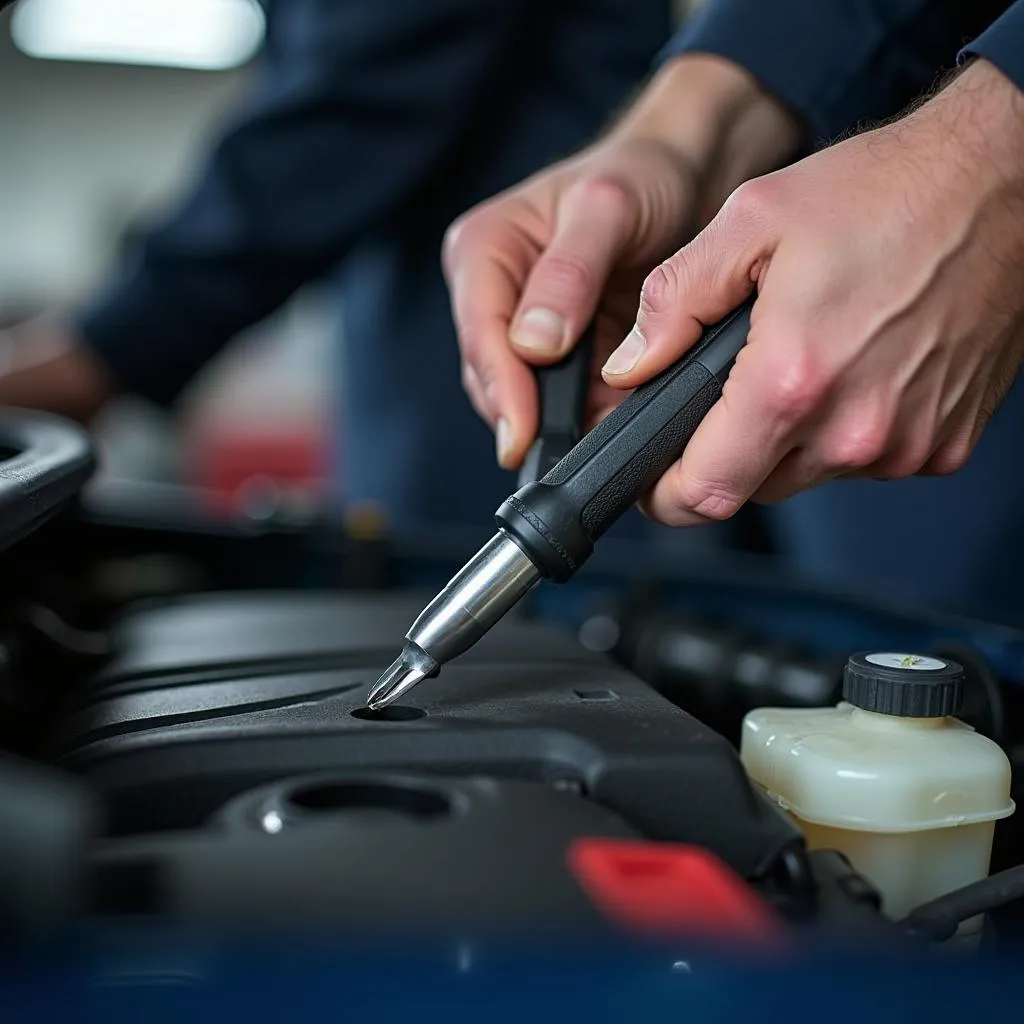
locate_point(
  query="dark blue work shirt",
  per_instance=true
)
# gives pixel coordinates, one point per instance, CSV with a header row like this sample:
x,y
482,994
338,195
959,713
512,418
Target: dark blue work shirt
x,y
841,62
372,125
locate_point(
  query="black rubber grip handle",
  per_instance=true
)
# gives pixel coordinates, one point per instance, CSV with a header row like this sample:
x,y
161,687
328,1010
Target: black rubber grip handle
x,y
558,518
44,462
562,392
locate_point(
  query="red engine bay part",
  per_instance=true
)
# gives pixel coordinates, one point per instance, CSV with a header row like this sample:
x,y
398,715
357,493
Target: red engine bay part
x,y
661,890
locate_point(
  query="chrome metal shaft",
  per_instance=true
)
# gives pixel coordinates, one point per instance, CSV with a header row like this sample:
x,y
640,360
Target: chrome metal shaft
x,y
487,587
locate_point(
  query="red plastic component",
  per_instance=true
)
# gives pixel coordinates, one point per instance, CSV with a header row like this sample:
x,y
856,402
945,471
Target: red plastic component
x,y
665,889
222,461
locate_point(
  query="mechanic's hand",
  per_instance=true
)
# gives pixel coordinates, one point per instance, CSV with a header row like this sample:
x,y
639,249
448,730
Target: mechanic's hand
x,y
889,322
42,366
529,269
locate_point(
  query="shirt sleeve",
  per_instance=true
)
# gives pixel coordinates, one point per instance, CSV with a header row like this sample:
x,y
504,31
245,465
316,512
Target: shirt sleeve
x,y
840,62
1003,44
354,106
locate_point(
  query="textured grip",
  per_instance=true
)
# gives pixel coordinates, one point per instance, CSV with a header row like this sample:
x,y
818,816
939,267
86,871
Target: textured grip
x,y
557,519
630,449
643,470
690,380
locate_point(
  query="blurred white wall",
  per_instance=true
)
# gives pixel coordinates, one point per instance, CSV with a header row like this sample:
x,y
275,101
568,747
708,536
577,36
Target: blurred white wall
x,y
83,149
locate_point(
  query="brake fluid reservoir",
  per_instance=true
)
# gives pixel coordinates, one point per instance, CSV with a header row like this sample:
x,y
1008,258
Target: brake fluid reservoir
x,y
889,777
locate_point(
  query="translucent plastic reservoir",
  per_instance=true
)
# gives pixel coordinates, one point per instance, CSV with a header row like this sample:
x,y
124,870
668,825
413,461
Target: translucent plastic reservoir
x,y
911,802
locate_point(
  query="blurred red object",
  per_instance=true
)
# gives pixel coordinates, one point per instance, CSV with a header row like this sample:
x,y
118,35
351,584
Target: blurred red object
x,y
670,889
244,472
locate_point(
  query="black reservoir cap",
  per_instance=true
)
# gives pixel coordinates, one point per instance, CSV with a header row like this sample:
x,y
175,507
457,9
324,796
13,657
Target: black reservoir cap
x,y
904,685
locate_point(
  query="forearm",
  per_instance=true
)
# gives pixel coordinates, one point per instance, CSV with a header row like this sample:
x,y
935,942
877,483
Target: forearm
x,y
976,130
718,121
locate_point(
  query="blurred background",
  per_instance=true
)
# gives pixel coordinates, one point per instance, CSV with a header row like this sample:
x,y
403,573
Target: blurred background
x,y
104,122
109,107
108,111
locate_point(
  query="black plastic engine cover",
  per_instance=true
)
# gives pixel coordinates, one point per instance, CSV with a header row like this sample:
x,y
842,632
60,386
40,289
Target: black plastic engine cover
x,y
213,696
369,854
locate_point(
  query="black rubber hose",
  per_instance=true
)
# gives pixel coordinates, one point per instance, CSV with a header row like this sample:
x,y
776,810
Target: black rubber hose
x,y
938,920
44,462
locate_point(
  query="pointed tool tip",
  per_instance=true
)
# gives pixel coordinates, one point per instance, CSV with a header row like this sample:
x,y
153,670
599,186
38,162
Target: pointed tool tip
x,y
400,677
376,701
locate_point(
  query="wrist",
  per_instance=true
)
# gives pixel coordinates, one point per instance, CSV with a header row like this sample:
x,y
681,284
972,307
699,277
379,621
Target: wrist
x,y
965,148
714,118
981,114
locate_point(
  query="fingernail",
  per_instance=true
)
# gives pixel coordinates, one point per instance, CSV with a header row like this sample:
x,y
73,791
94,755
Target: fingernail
x,y
627,355
541,330
502,440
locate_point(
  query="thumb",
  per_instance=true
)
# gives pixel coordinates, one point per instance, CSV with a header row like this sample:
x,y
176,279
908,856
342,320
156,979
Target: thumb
x,y
595,219
697,287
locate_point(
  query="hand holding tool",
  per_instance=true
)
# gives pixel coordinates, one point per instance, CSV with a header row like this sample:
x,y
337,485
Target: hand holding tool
x,y
547,529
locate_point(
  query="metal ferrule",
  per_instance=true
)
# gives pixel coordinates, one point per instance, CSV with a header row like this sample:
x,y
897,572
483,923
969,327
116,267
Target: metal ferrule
x,y
496,578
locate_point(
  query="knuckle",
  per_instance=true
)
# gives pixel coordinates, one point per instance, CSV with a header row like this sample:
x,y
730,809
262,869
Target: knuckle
x,y
856,447
904,463
658,288
470,343
461,234
705,498
470,380
486,379
476,343
751,201
717,506
480,407
478,378
951,458
605,193
796,391
452,237
567,272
